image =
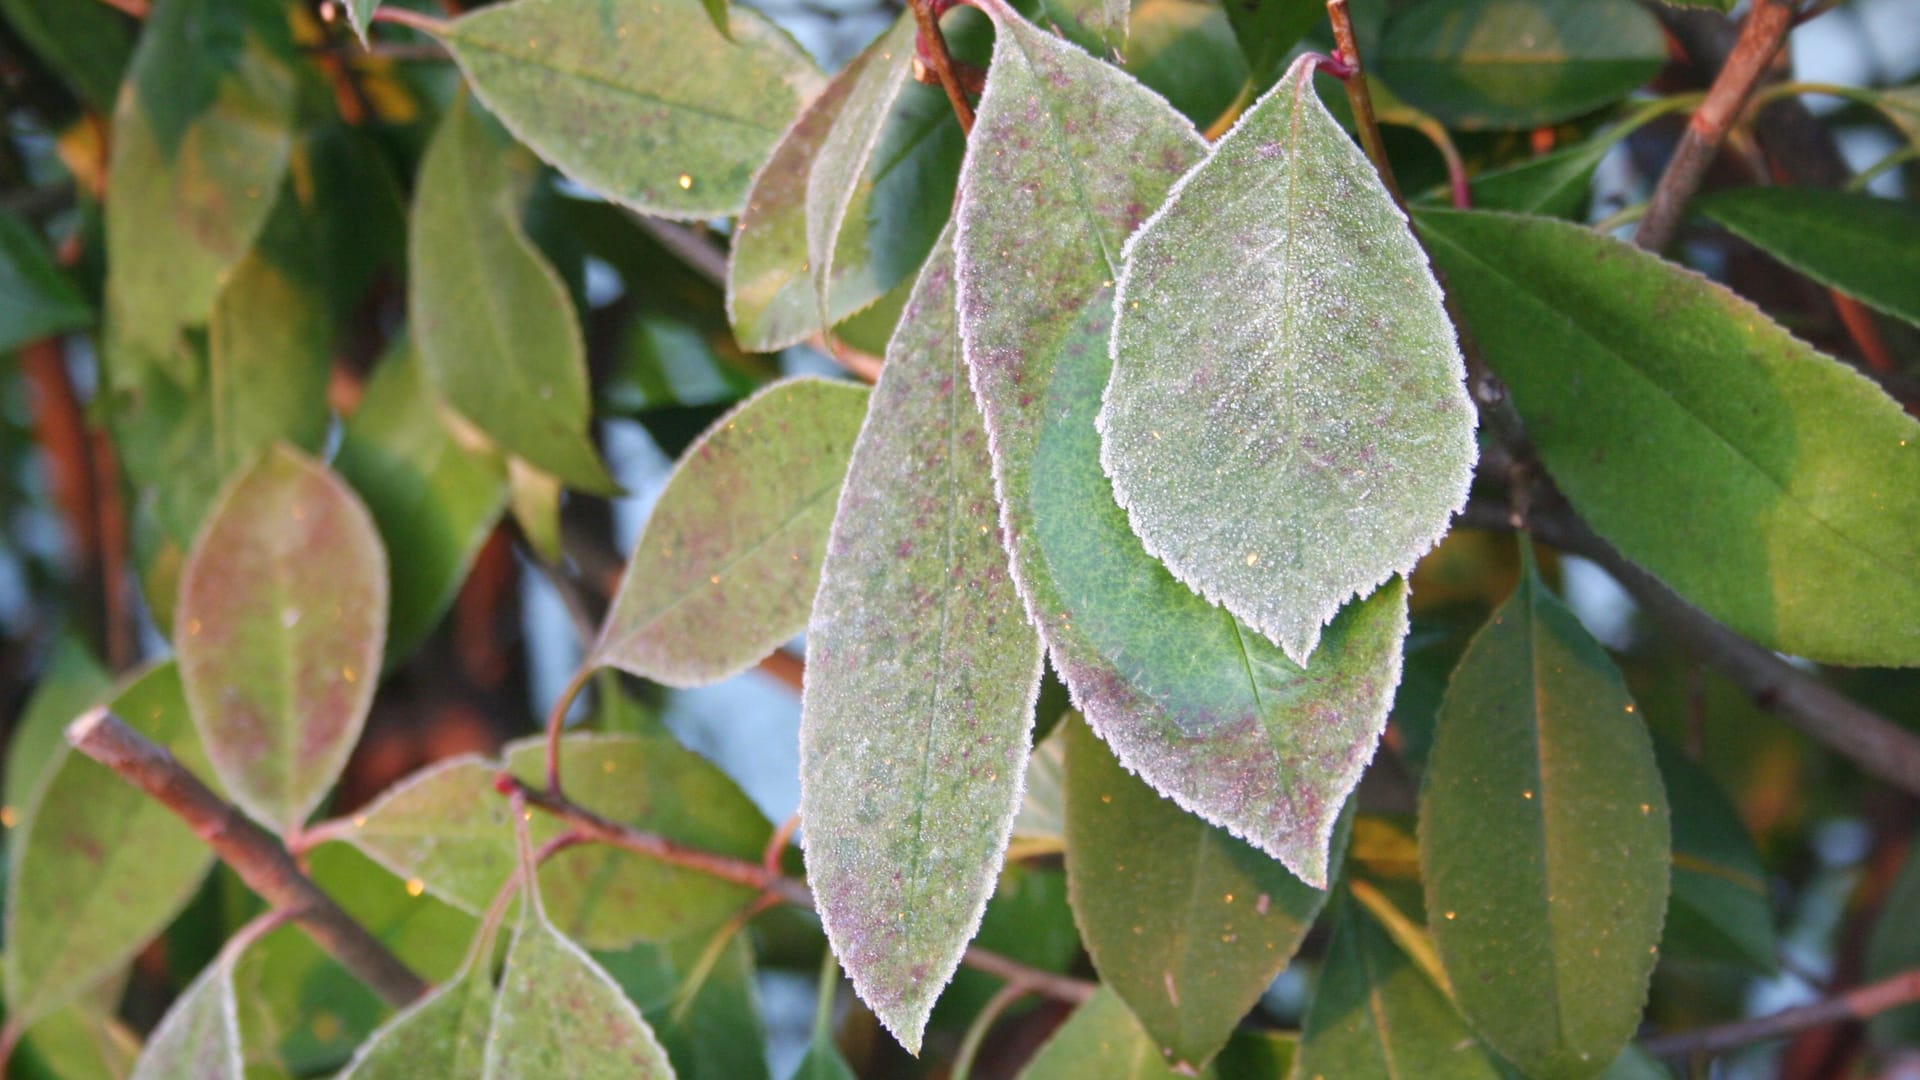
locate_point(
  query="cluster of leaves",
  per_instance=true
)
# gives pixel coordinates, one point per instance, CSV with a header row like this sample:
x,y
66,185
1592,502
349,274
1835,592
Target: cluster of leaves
x,y
1172,404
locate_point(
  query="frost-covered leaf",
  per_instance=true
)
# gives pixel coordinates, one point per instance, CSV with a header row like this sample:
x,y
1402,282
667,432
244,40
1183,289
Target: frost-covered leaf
x,y
281,620
199,1038
71,681
1376,1013
1543,841
1207,711
728,563
1287,424
433,498
491,317
201,138
1867,247
921,676
639,100
442,1034
36,299
1518,63
1796,519
1186,923
99,868
1103,21
558,1014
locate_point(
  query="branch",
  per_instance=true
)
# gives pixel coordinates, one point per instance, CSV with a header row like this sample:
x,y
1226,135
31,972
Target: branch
x,y
1760,37
768,880
930,48
1871,741
255,855
1857,1004
1355,81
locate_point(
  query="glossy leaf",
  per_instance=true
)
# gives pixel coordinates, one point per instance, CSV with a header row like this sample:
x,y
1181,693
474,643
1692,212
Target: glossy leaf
x,y
491,317
1205,710
1287,424
282,615
1555,184
434,498
1796,520
1187,52
87,45
99,868
698,994
921,676
639,100
728,563
1376,1013
1543,841
202,137
36,300
199,1038
1187,924
1866,247
558,1014
1720,909
1518,63
1267,29
1101,1039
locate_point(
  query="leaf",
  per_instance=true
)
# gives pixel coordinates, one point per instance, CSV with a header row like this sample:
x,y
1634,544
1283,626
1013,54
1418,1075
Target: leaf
x,y
98,868
1186,51
1287,425
823,1060
1720,909
1101,1039
36,300
1268,29
1376,1013
1027,920
1796,520
852,195
698,995
666,363
434,499
1101,23
1894,948
447,828
1204,710
282,614
490,316
921,676
199,1038
727,565
638,99
1543,841
534,498
1866,247
1555,184
202,137
360,17
1185,923
1500,64
88,45
558,1014
268,362
70,682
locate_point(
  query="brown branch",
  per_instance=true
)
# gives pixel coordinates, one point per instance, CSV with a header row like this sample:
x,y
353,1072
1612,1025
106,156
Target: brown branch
x,y
1857,1004
255,855
930,47
1355,81
769,881
1760,37
1871,741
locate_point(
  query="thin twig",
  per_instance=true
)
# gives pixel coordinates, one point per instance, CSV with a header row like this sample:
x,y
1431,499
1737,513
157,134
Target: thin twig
x,y
932,45
1355,81
1760,37
412,20
1871,741
983,1022
1857,1004
557,720
256,856
777,843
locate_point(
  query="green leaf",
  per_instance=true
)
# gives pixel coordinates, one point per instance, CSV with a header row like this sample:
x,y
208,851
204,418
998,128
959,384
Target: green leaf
x,y
98,868
698,994
1518,63
1187,924
1796,519
1185,50
921,677
666,363
1719,909
559,1014
1376,1013
1556,184
638,99
268,362
1635,1064
199,1038
1205,710
534,498
728,563
202,137
447,828
88,45
1268,29
490,316
1895,948
1280,278
360,17
282,614
1866,247
1543,841
434,498
70,682
1090,22
823,1060
36,299
1101,1039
